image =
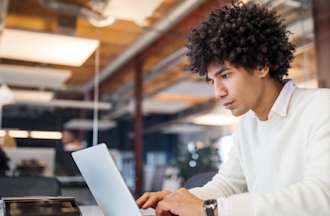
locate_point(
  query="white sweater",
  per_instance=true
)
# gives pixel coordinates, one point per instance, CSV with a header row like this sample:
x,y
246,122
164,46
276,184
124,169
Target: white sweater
x,y
278,167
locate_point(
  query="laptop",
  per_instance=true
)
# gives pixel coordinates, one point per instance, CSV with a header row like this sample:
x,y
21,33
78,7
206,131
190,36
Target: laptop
x,y
106,183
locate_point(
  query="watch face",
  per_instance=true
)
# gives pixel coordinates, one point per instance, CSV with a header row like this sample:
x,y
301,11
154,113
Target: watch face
x,y
210,202
209,206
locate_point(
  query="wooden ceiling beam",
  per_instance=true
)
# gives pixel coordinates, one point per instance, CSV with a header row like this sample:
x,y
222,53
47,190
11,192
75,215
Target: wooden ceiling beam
x,y
171,41
321,13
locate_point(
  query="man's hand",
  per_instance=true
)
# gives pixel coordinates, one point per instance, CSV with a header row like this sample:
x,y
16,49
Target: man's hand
x,y
151,199
182,203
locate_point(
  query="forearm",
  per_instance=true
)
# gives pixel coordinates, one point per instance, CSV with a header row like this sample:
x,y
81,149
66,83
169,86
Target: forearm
x,y
303,199
220,186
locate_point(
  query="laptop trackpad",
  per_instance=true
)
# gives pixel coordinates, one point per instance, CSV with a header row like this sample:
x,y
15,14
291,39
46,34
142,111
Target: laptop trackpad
x,y
148,212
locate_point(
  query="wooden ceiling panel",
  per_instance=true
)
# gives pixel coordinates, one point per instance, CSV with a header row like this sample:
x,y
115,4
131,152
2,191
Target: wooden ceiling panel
x,y
179,98
164,80
304,64
121,32
115,39
30,23
29,8
170,42
109,87
84,3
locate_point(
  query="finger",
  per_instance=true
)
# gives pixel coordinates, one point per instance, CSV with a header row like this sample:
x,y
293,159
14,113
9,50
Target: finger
x,y
142,199
163,209
151,202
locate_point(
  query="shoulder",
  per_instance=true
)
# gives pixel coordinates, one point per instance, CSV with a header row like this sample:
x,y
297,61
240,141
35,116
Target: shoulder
x,y
312,94
312,100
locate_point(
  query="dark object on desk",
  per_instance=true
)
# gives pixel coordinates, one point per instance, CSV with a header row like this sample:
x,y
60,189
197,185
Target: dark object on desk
x,y
64,164
41,206
3,162
199,180
30,167
29,186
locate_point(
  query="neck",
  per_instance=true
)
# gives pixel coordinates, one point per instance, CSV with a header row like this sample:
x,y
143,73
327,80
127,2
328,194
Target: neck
x,y
267,98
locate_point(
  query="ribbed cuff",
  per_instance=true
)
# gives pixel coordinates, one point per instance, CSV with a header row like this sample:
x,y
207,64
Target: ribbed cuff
x,y
222,207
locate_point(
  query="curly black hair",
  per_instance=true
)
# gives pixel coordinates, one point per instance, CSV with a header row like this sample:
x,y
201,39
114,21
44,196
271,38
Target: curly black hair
x,y
245,35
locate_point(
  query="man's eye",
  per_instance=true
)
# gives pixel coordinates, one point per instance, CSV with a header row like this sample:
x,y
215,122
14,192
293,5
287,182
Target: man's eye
x,y
210,81
225,76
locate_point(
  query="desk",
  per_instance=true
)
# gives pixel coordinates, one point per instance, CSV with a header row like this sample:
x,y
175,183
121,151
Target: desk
x,y
94,210
75,186
85,210
91,210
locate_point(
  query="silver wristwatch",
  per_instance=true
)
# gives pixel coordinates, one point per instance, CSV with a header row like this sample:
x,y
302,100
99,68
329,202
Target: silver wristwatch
x,y
209,206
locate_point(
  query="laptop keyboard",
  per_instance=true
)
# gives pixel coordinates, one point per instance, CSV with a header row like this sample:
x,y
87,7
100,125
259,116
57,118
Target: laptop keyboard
x,y
148,212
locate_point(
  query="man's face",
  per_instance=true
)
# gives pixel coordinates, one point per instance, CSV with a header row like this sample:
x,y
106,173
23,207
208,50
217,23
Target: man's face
x,y
236,88
67,137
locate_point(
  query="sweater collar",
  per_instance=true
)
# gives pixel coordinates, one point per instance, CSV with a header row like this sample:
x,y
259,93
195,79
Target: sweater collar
x,y
281,104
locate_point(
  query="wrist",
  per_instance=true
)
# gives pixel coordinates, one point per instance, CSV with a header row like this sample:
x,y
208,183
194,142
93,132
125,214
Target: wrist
x,y
216,212
203,212
210,207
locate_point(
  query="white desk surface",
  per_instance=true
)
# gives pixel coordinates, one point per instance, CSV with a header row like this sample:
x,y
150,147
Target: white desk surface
x,y
91,210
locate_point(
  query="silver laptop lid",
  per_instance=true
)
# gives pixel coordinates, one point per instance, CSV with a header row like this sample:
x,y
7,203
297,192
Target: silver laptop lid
x,y
105,181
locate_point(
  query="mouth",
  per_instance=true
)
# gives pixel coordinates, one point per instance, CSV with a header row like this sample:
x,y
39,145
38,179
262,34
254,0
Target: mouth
x,y
228,105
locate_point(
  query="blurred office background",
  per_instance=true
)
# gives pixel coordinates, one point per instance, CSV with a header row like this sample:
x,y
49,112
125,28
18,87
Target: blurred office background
x,y
75,73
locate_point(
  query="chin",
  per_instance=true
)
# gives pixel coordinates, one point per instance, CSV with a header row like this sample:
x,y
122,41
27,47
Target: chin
x,y
238,113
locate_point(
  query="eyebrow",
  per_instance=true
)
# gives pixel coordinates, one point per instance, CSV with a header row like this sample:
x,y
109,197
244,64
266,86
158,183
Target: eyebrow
x,y
221,71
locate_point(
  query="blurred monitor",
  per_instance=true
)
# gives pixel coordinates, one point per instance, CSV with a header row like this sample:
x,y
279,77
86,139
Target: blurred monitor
x,y
45,156
64,164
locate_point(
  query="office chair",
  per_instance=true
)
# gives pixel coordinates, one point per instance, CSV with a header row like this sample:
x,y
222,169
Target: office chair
x,y
17,186
199,180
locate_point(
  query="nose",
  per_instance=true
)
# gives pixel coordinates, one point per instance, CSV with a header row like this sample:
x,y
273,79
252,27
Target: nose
x,y
220,91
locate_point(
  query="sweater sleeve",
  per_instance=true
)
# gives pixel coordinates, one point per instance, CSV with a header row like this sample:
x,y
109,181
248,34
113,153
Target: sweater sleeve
x,y
310,196
228,181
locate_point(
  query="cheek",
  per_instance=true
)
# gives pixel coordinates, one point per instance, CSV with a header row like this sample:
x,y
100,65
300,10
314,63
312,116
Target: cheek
x,y
243,92
250,95
236,90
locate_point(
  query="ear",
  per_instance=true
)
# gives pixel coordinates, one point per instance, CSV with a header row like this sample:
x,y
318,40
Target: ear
x,y
263,72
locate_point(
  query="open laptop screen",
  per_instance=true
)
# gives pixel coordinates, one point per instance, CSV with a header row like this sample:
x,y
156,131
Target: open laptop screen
x,y
105,181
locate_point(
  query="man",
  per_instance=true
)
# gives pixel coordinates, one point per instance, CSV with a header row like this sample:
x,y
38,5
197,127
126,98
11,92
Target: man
x,y
280,163
4,162
71,140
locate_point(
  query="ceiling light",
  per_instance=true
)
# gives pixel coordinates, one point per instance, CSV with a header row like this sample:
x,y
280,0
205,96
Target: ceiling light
x,y
87,124
73,104
29,95
156,106
6,95
45,47
102,23
184,88
2,133
129,10
27,76
183,129
18,133
46,135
